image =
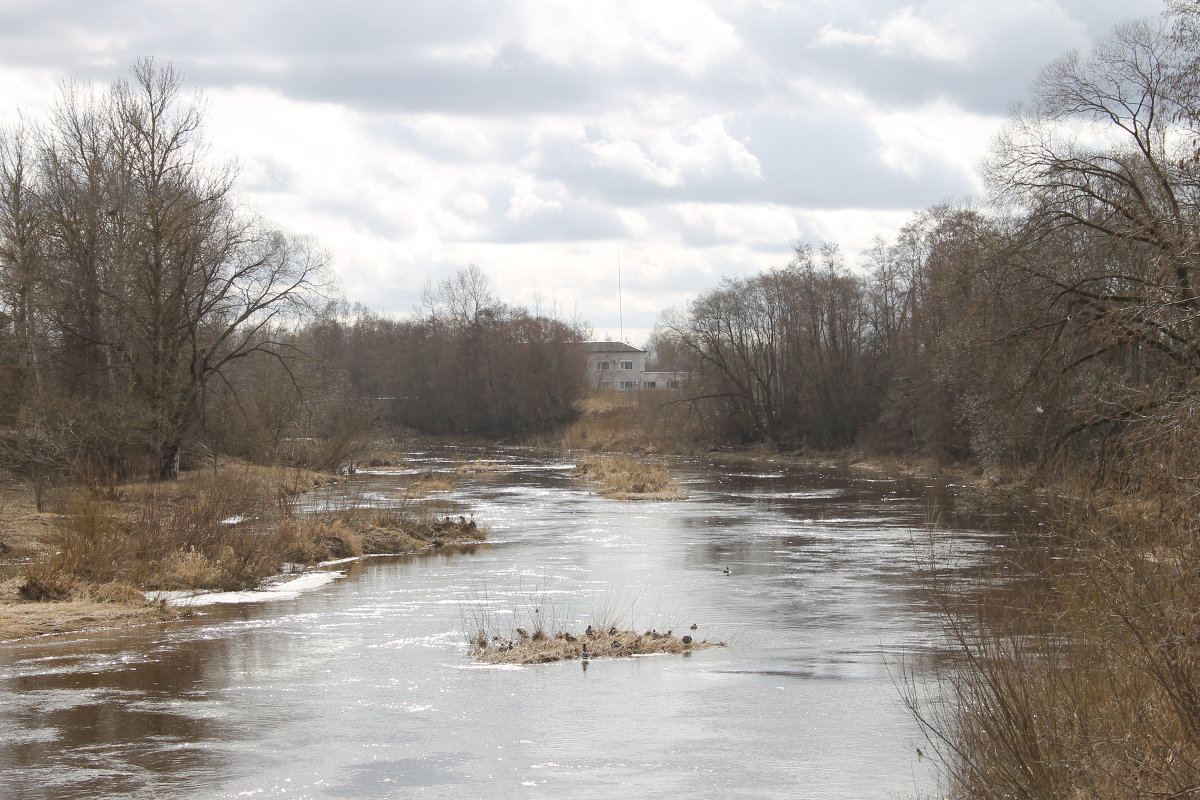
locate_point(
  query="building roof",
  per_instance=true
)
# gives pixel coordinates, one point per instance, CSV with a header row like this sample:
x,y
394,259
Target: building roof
x,y
610,347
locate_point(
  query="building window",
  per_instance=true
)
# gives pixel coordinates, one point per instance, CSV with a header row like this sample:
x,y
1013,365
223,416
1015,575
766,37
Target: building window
x,y
626,365
601,365
650,385
629,384
672,384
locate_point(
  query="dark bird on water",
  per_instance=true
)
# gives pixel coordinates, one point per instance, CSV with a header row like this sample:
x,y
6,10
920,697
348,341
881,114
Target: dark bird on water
x,y
727,570
686,640
693,626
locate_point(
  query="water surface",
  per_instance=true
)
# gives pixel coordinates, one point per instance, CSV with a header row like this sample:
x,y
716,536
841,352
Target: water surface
x,y
360,688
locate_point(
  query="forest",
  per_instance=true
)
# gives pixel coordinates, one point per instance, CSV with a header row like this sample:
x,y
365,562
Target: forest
x,y
147,320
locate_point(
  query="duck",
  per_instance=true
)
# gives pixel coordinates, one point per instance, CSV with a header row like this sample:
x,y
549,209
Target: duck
x,y
727,570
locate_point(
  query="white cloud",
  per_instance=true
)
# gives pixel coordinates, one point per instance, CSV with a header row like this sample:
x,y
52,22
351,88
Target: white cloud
x,y
526,135
937,132
904,34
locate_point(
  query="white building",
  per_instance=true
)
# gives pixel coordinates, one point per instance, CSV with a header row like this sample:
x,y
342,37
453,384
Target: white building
x,y
621,367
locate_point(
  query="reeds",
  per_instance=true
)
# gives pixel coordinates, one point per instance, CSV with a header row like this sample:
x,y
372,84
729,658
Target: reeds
x,y
641,421
1087,686
225,530
626,478
541,636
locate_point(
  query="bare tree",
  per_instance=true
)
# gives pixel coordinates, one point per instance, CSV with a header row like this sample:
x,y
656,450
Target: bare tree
x,y
155,281
1104,161
21,259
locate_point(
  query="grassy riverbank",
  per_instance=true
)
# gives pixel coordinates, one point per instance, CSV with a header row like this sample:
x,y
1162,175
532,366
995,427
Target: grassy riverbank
x,y
1086,687
87,560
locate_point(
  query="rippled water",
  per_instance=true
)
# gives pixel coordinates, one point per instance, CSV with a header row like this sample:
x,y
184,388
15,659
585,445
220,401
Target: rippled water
x,y
360,688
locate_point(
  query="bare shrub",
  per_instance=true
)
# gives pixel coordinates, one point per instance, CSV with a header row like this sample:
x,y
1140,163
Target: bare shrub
x,y
1087,687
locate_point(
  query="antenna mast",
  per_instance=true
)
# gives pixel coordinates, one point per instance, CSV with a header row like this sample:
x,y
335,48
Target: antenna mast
x,y
620,299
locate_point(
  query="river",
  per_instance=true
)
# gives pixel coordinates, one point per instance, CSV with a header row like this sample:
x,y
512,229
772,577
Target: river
x,y
361,688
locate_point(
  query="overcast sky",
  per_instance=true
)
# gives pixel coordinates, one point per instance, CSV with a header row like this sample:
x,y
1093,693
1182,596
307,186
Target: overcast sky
x,y
528,136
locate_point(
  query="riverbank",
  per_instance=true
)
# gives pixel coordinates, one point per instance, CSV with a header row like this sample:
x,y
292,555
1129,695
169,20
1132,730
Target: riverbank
x,y
87,560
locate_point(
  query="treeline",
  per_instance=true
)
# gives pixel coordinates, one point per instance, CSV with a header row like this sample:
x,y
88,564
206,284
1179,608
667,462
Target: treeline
x,y
148,319
1055,317
469,364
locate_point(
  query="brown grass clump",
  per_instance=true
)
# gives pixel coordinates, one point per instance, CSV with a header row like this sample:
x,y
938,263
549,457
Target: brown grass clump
x,y
625,478
428,482
541,648
392,533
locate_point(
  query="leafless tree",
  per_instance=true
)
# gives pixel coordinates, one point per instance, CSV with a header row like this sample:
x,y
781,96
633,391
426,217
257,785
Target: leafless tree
x,y
1103,168
153,280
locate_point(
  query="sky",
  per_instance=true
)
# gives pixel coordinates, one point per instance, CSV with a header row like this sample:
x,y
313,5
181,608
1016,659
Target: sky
x,y
569,148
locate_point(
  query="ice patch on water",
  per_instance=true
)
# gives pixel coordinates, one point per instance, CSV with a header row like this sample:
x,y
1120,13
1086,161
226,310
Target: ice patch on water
x,y
288,589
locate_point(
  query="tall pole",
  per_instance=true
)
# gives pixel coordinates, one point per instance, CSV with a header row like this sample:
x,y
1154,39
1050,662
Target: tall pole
x,y
620,299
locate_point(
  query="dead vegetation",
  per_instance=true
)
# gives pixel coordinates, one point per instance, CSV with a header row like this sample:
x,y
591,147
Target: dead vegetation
x,y
626,478
640,421
428,482
224,530
1087,687
540,647
397,531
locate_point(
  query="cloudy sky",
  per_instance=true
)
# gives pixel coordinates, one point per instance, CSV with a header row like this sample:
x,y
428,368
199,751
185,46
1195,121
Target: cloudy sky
x,y
530,136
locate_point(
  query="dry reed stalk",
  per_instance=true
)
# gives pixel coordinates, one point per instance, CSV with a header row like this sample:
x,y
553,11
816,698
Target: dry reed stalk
x,y
429,482
1090,686
624,478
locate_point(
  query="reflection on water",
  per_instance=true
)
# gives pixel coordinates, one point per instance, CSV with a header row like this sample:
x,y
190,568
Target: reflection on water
x,y
360,688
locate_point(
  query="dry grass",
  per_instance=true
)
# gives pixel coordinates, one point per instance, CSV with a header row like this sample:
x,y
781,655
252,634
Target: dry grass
x,y
626,478
1088,687
429,482
648,421
224,529
540,647
387,532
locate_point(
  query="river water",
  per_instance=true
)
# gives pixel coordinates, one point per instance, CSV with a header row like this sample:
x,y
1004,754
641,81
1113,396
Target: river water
x,y
361,688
